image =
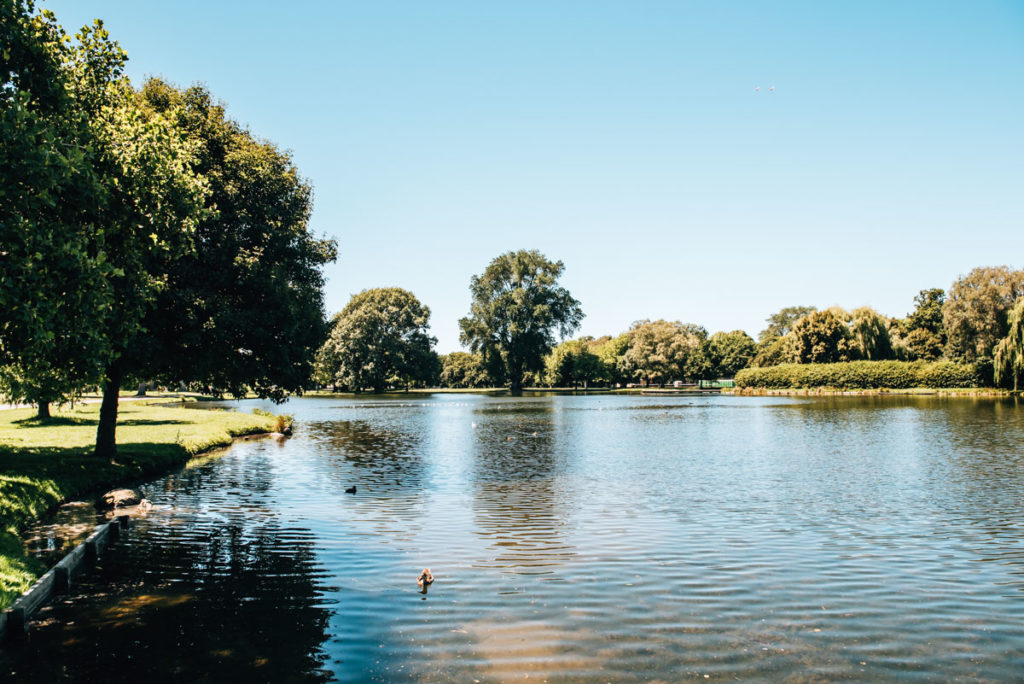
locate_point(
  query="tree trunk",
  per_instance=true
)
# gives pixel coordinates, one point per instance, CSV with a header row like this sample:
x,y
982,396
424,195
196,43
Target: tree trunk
x,y
142,389
44,410
106,444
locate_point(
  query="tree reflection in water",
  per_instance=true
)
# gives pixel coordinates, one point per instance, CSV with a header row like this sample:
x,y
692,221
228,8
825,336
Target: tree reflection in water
x,y
515,493
207,593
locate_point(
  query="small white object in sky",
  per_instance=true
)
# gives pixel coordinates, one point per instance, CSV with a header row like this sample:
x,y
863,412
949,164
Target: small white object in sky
x,y
757,88
772,89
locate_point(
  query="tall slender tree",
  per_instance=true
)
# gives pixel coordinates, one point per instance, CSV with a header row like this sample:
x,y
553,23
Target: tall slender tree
x,y
1009,353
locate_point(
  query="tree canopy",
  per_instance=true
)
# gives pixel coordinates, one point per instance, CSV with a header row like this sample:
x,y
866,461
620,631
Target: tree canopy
x,y
821,337
974,313
730,352
922,333
379,338
54,293
661,351
243,311
142,232
871,338
462,369
782,322
517,310
572,363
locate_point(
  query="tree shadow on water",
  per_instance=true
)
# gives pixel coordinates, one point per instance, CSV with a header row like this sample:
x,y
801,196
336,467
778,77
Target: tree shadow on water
x,y
225,605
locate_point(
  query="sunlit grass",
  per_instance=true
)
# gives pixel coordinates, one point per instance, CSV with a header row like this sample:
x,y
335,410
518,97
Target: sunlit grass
x,y
45,463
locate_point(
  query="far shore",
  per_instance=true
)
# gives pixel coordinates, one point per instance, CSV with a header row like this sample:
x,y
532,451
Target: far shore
x,y
878,392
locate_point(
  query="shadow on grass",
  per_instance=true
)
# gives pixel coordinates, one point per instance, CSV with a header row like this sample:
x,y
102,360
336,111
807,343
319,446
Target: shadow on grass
x,y
60,421
34,480
55,421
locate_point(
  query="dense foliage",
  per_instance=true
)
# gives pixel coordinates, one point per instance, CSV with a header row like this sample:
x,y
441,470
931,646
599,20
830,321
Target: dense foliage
x,y
730,352
54,270
517,310
922,334
379,339
975,312
143,233
463,370
661,351
861,375
572,364
821,337
254,277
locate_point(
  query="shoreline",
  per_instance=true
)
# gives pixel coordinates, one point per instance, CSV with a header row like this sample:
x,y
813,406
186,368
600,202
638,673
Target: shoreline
x,y
43,466
986,392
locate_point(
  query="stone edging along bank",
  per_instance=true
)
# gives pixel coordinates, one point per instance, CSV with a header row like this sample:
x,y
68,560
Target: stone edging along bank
x,y
14,621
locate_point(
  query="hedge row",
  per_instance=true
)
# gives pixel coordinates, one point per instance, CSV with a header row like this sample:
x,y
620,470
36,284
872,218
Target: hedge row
x,y
862,375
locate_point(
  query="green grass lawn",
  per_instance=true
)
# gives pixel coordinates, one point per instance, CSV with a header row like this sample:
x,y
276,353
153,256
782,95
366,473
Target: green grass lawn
x,y
43,464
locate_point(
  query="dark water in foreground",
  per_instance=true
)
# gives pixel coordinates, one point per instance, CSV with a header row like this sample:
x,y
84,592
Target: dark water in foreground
x,y
573,539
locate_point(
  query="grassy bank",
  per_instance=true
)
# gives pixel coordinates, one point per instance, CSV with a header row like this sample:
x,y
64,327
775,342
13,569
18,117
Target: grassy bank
x,y
43,464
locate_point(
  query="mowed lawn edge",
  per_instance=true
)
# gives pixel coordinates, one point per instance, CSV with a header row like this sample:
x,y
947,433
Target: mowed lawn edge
x,y
43,464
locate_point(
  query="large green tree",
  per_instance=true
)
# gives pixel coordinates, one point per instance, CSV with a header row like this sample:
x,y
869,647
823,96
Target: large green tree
x,y
54,292
572,363
154,203
517,310
379,338
660,351
611,351
821,337
975,312
922,333
461,369
730,352
244,310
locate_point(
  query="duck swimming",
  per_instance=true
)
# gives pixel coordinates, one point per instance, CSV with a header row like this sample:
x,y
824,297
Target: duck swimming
x,y
425,578
350,490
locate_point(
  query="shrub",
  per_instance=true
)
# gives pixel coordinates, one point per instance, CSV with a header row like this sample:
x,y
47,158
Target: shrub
x,y
861,375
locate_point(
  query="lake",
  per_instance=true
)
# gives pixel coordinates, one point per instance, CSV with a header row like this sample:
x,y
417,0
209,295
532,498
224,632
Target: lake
x,y
572,538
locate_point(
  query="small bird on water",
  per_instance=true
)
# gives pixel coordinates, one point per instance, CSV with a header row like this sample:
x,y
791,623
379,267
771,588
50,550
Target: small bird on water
x,y
425,578
351,490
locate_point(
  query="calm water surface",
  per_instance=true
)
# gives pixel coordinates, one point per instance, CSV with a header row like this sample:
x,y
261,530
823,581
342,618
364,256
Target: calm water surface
x,y
572,539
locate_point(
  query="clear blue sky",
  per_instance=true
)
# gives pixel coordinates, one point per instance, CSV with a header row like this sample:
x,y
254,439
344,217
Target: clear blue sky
x,y
626,139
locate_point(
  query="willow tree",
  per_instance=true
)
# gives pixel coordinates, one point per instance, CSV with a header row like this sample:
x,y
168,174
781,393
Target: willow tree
x,y
975,311
871,336
1009,352
518,310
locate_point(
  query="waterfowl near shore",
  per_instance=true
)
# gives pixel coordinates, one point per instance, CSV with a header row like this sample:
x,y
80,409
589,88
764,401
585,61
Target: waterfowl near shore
x,y
350,490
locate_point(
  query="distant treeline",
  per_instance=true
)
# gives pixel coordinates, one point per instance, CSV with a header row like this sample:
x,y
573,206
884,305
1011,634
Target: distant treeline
x,y
971,336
